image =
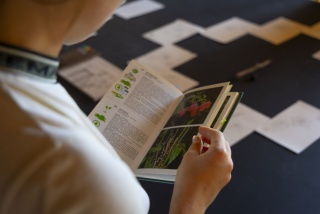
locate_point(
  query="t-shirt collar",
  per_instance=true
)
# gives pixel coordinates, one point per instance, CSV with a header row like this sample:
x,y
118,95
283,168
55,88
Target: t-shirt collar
x,y
28,63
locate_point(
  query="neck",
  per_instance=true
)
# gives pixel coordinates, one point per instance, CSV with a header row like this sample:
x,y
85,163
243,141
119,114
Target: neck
x,y
36,44
35,27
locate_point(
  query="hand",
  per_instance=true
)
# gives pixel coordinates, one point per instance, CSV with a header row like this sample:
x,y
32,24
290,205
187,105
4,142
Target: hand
x,y
201,176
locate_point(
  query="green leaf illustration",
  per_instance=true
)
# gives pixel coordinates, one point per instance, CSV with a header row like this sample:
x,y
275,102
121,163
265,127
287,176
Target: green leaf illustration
x,y
156,149
174,154
100,117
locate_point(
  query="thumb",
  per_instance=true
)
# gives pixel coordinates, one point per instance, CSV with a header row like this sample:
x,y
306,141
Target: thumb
x,y
196,146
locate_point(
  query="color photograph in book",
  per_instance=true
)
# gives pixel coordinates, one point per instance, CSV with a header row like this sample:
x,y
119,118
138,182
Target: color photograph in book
x,y
194,107
169,148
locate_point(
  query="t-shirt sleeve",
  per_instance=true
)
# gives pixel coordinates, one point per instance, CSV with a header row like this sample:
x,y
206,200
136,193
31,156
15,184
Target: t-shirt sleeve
x,y
70,174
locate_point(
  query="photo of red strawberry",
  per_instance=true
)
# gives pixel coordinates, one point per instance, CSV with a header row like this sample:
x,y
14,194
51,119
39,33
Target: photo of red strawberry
x,y
194,107
182,112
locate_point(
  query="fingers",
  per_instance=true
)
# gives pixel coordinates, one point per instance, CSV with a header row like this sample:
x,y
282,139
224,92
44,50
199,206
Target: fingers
x,y
215,138
196,145
228,147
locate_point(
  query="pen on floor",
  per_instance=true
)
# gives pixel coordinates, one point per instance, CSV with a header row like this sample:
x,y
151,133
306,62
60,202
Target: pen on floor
x,y
248,72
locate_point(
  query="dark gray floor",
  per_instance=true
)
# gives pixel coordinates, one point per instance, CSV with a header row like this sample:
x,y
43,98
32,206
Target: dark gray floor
x,y
266,178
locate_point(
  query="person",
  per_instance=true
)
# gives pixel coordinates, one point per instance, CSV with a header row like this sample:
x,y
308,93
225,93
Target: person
x,y
52,159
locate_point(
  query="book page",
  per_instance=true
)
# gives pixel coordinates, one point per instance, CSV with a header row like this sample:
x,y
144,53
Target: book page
x,y
221,118
197,107
136,106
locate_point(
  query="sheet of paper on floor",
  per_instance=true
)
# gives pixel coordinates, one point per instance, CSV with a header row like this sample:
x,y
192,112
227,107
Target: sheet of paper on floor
x,y
93,76
313,31
278,31
295,128
316,55
138,8
229,30
173,32
243,122
181,81
166,57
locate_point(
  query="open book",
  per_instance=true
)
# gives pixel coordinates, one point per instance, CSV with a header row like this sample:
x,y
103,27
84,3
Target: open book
x,y
150,123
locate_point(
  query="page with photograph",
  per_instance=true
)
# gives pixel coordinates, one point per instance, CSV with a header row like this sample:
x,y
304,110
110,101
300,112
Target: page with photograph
x,y
197,107
230,102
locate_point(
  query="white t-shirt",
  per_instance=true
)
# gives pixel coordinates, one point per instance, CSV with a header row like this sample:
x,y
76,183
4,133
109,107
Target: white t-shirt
x,y
53,160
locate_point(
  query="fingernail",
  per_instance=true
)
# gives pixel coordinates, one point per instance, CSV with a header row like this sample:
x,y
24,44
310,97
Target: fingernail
x,y
195,139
